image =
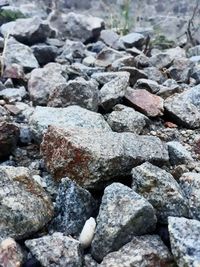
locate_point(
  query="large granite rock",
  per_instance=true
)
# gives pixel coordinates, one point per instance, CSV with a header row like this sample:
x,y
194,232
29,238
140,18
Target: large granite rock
x,y
185,108
72,116
185,241
122,214
145,251
56,250
90,156
161,190
25,207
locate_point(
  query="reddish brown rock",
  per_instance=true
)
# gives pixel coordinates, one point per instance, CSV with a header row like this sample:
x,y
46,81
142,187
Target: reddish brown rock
x,y
145,102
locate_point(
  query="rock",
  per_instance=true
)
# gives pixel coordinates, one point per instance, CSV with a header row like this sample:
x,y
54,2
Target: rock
x,y
184,108
91,157
161,190
112,92
87,233
132,39
111,39
75,92
190,185
89,261
72,116
141,61
178,154
107,56
147,250
8,142
15,52
89,61
135,74
14,71
185,242
196,74
43,81
149,85
10,253
83,27
166,92
11,95
123,62
145,102
176,52
105,77
152,73
160,61
125,119
44,53
28,31
25,207
122,214
193,51
56,250
74,205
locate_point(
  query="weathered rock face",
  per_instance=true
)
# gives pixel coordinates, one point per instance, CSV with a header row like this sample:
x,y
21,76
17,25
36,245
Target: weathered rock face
x,y
90,157
11,95
145,251
190,185
74,205
161,190
25,207
185,108
178,153
185,242
28,31
132,39
43,81
72,116
8,142
76,92
44,53
160,61
122,214
135,74
16,52
56,250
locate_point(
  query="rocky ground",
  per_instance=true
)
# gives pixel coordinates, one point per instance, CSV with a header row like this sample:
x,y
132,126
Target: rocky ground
x,y
99,145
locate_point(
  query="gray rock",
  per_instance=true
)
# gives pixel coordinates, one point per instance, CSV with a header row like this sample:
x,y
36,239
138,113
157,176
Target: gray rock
x,y
190,185
111,39
185,107
11,95
72,116
178,154
125,119
145,251
124,61
135,74
89,261
154,74
151,86
56,250
15,52
43,81
160,61
122,214
132,39
107,56
76,92
25,207
196,74
28,31
112,92
44,53
161,190
90,157
74,205
105,77
185,242
193,51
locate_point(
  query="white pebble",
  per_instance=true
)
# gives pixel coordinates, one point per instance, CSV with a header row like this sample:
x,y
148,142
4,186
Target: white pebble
x,y
87,233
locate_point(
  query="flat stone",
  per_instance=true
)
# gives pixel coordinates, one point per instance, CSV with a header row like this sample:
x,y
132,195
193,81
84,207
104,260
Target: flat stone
x,y
90,157
107,56
110,38
56,250
161,190
145,102
178,154
149,85
132,39
105,77
185,242
135,74
122,214
25,206
147,250
11,95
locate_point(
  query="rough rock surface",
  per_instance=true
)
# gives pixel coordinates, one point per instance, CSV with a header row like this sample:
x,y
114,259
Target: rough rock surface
x,y
56,250
161,190
145,251
122,214
90,158
178,154
185,242
25,207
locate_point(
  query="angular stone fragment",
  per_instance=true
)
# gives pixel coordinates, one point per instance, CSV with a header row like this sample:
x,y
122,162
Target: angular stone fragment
x,y
160,61
149,85
107,56
132,39
185,107
135,74
125,119
25,207
122,214
178,154
185,241
90,157
13,94
190,185
56,250
44,53
161,190
72,116
145,102
105,77
74,205
145,251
